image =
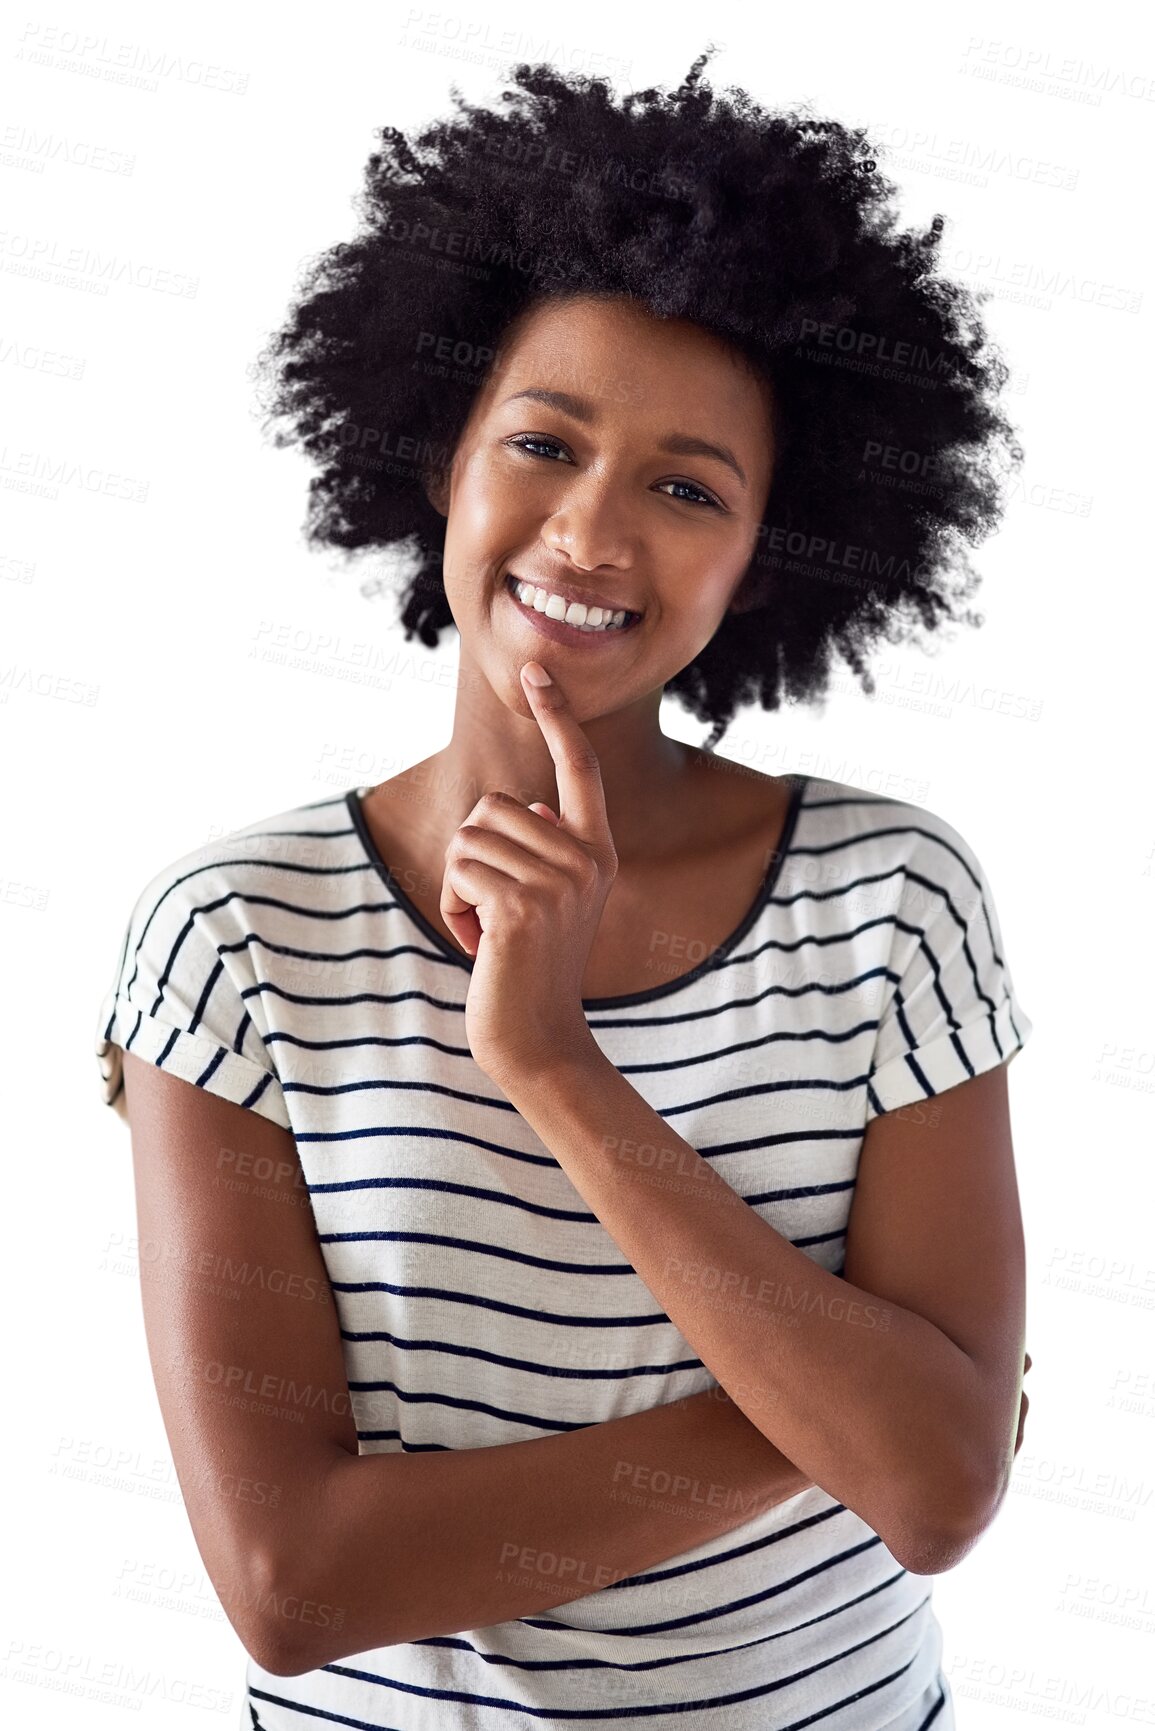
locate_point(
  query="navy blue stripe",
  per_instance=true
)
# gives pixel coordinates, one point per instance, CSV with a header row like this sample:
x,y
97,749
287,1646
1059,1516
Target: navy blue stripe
x,y
649,1710
786,1584
935,1711
461,1644
706,1055
581,1216
476,1247
864,835
938,951
531,1367
656,1319
369,1132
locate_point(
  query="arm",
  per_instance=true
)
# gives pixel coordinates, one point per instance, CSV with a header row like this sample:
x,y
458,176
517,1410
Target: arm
x,y
481,1535
315,1551
897,1387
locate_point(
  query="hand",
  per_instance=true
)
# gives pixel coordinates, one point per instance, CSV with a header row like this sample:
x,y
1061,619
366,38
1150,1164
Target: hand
x,y
1023,1405
523,893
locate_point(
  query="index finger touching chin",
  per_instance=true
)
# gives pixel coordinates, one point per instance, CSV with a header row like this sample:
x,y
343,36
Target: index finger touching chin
x,y
581,796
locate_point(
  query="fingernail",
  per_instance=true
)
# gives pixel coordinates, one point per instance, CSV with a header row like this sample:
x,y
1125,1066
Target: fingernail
x,y
536,673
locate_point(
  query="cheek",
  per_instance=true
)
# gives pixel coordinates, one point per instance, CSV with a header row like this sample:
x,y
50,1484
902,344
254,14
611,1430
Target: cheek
x,y
473,523
699,623
700,613
475,494
680,636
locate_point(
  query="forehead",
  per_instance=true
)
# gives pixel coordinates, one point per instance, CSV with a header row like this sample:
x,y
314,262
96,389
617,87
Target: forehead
x,y
619,355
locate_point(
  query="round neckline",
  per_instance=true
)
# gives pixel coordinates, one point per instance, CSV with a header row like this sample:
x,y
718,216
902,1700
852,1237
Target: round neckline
x,y
707,965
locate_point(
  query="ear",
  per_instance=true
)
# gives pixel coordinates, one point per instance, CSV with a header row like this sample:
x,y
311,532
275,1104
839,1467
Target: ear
x,y
753,591
436,486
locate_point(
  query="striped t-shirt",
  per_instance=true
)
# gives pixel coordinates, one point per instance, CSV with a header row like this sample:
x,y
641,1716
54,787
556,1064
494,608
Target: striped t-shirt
x,y
482,1302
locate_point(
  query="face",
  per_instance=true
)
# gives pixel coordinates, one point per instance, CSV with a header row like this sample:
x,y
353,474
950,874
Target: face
x,y
614,458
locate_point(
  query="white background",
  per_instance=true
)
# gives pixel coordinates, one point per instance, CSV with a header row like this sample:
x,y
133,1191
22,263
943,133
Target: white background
x,y
139,719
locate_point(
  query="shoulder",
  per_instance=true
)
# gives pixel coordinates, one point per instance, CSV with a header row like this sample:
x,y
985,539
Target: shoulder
x,y
883,823
859,831
211,883
192,985
911,859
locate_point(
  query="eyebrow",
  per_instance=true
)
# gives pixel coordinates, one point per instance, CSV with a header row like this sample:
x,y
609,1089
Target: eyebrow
x,y
678,444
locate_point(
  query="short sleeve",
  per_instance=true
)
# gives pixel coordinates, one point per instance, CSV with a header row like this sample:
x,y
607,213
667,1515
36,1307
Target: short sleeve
x,y
180,998
951,1011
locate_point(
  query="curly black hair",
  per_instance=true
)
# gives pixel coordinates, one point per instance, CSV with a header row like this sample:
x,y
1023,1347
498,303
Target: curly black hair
x,y
775,231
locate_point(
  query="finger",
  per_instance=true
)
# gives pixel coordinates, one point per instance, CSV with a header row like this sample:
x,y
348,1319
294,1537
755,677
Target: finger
x,y
544,810
522,833
468,891
1026,1364
581,796
533,864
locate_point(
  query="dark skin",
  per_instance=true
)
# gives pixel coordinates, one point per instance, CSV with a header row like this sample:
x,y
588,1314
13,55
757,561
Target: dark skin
x,y
693,838
596,503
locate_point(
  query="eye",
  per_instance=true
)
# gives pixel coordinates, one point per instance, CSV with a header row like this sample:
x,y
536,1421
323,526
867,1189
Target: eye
x,y
704,496
526,440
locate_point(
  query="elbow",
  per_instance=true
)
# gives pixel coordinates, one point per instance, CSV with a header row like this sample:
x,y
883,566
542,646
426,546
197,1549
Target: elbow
x,y
945,1529
278,1647
930,1554
294,1628
267,1650
276,1643
934,1550
280,1661
295,1625
248,1596
278,1637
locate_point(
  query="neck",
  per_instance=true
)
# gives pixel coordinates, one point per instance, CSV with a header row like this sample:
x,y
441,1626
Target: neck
x,y
644,772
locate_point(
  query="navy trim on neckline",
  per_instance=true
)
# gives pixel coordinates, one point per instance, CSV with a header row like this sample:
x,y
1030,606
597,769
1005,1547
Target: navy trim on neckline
x,y
461,960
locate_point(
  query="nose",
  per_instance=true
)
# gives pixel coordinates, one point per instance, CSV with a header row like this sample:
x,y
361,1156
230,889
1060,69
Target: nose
x,y
590,529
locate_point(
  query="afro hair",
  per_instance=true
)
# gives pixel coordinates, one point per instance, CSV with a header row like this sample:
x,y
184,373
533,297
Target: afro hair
x,y
775,231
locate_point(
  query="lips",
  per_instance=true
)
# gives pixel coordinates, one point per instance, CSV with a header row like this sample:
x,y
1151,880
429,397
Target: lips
x,y
568,593
572,637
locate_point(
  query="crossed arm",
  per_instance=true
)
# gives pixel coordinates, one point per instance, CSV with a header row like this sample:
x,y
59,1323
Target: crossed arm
x,y
292,1523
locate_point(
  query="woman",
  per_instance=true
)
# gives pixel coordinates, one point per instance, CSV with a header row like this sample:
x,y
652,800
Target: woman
x,y
585,1278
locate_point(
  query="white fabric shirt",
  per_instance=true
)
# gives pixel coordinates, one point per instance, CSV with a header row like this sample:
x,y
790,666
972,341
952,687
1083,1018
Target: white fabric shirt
x,y
480,1299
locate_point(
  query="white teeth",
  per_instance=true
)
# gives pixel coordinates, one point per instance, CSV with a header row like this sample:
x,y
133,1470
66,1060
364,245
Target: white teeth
x,y
573,612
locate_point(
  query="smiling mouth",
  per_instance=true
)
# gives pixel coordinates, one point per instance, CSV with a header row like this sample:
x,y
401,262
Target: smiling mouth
x,y
554,621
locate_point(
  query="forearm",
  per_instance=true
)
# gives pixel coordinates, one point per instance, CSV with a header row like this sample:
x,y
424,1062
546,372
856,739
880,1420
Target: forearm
x,y
408,1546
870,1400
